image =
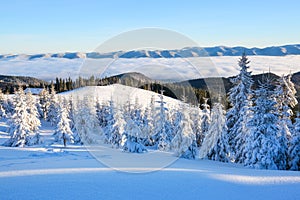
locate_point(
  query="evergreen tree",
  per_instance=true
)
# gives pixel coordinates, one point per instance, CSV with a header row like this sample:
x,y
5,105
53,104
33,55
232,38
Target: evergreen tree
x,y
33,119
19,127
240,98
294,148
196,125
117,129
131,137
215,145
44,102
184,143
53,107
2,102
205,118
163,132
262,145
86,122
63,131
285,98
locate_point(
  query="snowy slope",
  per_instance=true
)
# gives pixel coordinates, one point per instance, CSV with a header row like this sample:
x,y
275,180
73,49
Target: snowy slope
x,y
54,172
121,95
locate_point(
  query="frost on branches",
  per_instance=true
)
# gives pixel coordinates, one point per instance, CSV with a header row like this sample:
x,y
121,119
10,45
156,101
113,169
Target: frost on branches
x,y
63,131
262,146
215,145
24,124
237,116
184,143
131,141
294,149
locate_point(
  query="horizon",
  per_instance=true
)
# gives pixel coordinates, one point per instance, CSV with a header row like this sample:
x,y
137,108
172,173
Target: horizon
x,y
66,26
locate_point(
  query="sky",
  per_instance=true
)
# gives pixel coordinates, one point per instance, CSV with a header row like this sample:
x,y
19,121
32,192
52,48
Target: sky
x,y
35,26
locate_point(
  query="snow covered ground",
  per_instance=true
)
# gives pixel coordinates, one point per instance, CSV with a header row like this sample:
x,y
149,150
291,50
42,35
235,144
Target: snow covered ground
x,y
156,68
51,171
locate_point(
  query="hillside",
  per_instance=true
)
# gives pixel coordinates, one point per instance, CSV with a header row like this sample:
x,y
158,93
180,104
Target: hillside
x,y
7,83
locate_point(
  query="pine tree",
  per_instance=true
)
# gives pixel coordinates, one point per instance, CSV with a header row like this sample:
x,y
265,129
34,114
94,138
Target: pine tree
x,y
215,145
131,137
262,145
86,122
2,102
118,129
19,128
33,119
53,107
205,118
184,143
63,131
294,148
44,102
196,125
163,132
285,98
240,98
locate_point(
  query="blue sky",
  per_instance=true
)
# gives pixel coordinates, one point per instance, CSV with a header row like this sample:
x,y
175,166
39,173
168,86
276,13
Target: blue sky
x,y
59,25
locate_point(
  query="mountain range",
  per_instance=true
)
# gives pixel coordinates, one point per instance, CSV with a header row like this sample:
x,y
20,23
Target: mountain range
x,y
184,53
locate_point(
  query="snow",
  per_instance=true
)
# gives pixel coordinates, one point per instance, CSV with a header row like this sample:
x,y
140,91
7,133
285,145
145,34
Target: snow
x,y
52,171
156,68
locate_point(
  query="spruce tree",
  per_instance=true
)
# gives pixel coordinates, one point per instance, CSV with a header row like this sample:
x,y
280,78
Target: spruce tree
x,y
63,131
215,145
285,98
19,129
33,119
238,115
262,145
294,148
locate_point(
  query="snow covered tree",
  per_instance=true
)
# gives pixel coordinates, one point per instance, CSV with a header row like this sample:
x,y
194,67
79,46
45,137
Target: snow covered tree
x,y
117,129
205,118
237,117
2,102
262,145
215,145
44,103
131,137
184,143
86,122
109,118
285,98
53,107
63,131
163,131
294,148
19,127
196,125
33,119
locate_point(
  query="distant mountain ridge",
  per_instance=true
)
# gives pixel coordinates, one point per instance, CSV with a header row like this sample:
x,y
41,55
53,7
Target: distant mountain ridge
x,y
184,53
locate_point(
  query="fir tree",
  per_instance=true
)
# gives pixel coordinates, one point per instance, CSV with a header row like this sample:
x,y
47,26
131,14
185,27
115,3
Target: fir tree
x,y
131,137
285,98
237,116
205,118
63,131
215,145
184,143
19,127
262,146
294,148
33,119
53,107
